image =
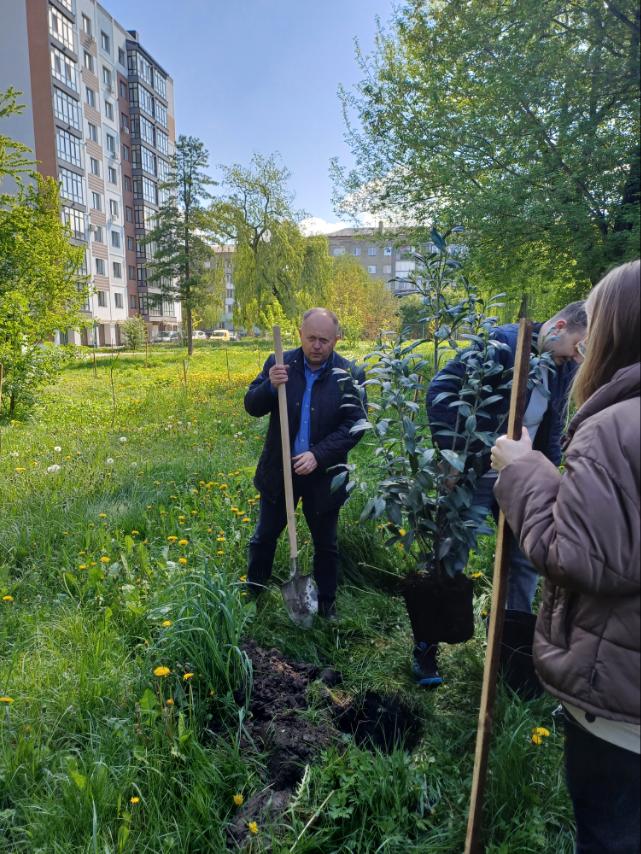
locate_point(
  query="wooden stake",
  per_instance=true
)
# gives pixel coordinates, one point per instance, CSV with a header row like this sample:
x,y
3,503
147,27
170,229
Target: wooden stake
x,y
286,450
499,592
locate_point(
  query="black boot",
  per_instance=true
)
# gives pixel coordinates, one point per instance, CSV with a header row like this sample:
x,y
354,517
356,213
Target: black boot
x,y
424,665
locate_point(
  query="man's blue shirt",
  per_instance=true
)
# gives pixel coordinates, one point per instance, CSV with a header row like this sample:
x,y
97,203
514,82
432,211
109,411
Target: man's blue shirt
x,y
301,442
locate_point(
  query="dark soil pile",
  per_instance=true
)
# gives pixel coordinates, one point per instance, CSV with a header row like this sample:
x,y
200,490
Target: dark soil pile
x,y
277,726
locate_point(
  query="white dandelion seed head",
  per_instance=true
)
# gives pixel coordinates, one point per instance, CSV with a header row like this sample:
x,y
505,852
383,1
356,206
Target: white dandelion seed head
x,y
57,449
53,469
122,440
109,461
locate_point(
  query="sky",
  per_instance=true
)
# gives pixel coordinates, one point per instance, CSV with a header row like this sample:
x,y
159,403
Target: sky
x,y
261,76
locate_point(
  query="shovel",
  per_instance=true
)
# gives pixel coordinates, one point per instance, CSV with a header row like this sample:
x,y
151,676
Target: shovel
x,y
299,593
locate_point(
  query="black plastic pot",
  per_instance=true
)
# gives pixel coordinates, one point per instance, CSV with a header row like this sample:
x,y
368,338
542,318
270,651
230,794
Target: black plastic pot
x,y
440,608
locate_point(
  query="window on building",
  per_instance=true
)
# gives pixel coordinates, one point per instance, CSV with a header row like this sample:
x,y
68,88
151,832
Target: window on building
x,y
71,186
387,269
98,234
112,175
124,122
141,273
338,250
109,110
163,169
149,191
160,83
66,108
143,68
93,132
125,152
129,214
88,61
90,96
117,271
387,251
372,250
131,273
96,201
105,42
102,295
127,183
110,141
357,251
122,57
106,76
86,25
139,217
122,88
94,166
148,160
114,209
372,269
146,130
145,100
61,29
162,141
76,221
161,114
118,302
130,244
68,4
115,239
64,69
100,266
68,147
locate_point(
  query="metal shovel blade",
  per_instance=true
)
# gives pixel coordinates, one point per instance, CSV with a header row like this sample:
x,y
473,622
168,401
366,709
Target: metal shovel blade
x,y
301,598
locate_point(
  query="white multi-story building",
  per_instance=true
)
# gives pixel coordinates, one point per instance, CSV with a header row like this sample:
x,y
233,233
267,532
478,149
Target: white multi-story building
x,y
99,117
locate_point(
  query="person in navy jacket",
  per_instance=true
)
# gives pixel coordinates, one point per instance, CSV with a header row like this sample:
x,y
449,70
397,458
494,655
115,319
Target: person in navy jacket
x,y
323,405
561,338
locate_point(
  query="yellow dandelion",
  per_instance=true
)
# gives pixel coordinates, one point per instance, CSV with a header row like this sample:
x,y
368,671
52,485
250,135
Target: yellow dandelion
x,y
402,532
542,731
187,676
210,530
239,800
166,623
172,538
169,702
82,566
537,739
243,578
7,598
105,559
134,799
245,519
135,533
20,469
223,486
220,552
220,539
234,509
161,671
476,575
182,561
102,515
7,700
252,827
183,542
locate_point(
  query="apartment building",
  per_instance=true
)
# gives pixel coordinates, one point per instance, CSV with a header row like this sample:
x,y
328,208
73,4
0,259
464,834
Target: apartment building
x,y
99,117
378,252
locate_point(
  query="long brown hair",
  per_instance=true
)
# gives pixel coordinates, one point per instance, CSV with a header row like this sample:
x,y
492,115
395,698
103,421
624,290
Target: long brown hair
x,y
614,315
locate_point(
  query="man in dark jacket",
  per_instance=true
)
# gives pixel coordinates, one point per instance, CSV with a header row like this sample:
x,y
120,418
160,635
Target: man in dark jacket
x,y
560,338
322,406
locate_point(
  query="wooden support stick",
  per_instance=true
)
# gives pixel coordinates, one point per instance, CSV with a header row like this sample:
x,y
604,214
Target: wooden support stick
x,y
286,451
499,592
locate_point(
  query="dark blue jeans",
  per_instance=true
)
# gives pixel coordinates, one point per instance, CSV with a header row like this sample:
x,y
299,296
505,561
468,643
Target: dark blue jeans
x,y
604,785
323,527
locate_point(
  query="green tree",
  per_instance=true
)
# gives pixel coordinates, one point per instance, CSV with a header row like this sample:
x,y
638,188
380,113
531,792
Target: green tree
x,y
364,306
40,290
273,261
14,156
177,239
134,331
519,120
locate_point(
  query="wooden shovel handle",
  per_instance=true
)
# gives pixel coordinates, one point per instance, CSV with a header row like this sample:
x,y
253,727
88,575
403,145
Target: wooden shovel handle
x,y
473,844
286,449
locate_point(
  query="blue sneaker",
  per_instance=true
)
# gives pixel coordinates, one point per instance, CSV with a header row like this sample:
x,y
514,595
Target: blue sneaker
x,y
424,666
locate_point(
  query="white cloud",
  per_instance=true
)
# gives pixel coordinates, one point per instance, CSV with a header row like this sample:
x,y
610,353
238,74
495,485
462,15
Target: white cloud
x,y
313,225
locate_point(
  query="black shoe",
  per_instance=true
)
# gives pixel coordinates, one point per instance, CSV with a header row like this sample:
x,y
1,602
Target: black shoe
x,y
253,590
424,665
327,610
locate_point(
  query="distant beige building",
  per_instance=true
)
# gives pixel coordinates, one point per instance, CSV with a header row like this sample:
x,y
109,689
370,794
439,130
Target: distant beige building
x,y
377,253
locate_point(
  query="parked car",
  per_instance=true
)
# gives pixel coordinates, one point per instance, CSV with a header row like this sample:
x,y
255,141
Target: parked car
x,y
168,338
199,335
221,335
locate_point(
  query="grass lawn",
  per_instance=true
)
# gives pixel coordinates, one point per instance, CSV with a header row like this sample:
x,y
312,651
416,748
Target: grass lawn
x,y
128,559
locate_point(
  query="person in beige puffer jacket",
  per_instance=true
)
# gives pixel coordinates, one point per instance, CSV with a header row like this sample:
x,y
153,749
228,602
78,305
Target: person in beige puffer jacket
x,y
582,531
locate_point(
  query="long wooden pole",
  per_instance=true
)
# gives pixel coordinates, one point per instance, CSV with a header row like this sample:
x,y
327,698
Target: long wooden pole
x,y
287,454
499,592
